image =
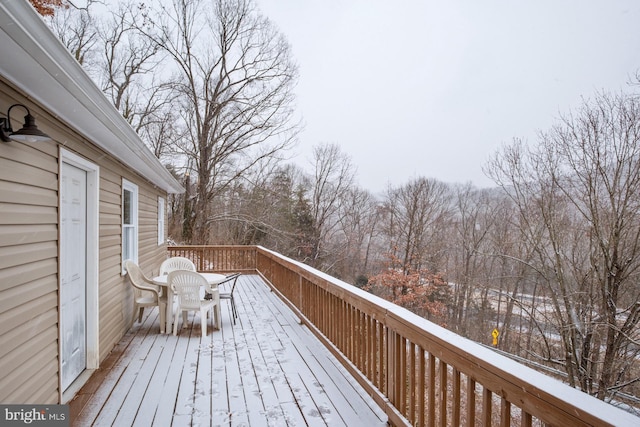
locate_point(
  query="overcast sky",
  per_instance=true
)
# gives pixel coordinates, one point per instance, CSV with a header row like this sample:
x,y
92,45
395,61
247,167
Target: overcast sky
x,y
433,88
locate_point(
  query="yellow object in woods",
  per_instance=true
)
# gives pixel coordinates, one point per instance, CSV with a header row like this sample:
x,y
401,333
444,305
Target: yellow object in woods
x,y
495,334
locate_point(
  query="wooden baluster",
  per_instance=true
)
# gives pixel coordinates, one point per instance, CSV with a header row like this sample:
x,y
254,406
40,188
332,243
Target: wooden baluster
x,y
443,393
412,383
505,413
402,368
455,416
431,387
421,387
382,362
486,407
471,402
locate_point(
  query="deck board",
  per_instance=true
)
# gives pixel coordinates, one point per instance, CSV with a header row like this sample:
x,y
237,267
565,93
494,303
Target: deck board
x,y
266,370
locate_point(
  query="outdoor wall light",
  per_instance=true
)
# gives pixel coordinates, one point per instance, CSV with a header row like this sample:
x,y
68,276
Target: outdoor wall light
x,y
28,133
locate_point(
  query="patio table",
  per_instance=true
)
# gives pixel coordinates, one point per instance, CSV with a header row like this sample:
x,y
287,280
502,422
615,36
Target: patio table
x,y
212,279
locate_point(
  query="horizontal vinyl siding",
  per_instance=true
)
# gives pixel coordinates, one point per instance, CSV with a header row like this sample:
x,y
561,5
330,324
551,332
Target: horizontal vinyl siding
x,y
24,363
114,293
14,214
20,254
28,269
25,332
29,164
29,195
29,255
17,234
25,273
112,300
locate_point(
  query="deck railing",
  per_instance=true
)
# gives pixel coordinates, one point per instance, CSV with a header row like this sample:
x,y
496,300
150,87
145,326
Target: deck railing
x,y
420,373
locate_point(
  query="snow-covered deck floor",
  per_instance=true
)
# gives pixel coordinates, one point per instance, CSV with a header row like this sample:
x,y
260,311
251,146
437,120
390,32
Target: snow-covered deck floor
x,y
267,370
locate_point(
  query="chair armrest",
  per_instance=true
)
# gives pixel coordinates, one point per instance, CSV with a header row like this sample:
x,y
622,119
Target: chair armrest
x,y
157,289
151,288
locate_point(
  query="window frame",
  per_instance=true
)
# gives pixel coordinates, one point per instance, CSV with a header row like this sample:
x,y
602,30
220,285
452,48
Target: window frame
x,y
128,186
161,220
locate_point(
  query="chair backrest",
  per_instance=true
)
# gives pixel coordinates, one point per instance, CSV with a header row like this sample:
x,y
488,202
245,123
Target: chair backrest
x,y
176,263
136,276
187,286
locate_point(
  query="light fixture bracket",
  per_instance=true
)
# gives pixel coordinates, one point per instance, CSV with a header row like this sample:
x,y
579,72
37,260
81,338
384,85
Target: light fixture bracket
x,y
5,130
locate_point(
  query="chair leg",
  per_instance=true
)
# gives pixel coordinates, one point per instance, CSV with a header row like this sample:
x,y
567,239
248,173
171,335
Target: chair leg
x,y
218,315
163,316
175,323
140,315
184,319
203,322
133,318
234,311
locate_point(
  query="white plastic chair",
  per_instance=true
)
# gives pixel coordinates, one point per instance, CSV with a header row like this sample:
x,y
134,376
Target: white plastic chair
x,y
189,287
145,294
176,263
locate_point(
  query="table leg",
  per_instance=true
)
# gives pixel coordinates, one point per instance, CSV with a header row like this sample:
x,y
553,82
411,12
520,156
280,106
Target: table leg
x,y
169,328
218,315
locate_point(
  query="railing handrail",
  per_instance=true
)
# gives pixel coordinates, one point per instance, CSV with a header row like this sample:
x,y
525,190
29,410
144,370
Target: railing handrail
x,y
396,335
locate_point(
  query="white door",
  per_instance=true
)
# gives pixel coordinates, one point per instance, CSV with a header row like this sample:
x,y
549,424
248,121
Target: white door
x,y
73,273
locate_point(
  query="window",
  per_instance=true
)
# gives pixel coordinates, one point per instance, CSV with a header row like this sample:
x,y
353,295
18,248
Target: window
x,y
129,222
160,221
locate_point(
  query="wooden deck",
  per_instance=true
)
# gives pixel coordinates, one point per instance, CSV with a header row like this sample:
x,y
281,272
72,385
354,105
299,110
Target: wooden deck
x,y
267,370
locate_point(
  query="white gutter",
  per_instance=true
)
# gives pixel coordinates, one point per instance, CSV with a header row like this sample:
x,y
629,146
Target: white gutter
x,y
36,62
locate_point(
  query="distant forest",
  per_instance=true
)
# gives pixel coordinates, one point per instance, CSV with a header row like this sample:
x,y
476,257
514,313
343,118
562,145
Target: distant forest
x,y
550,256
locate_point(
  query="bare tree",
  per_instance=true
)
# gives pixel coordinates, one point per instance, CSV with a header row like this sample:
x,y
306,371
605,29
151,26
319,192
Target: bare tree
x,y
470,266
76,29
578,193
333,178
259,209
124,63
130,73
235,81
418,216
356,235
